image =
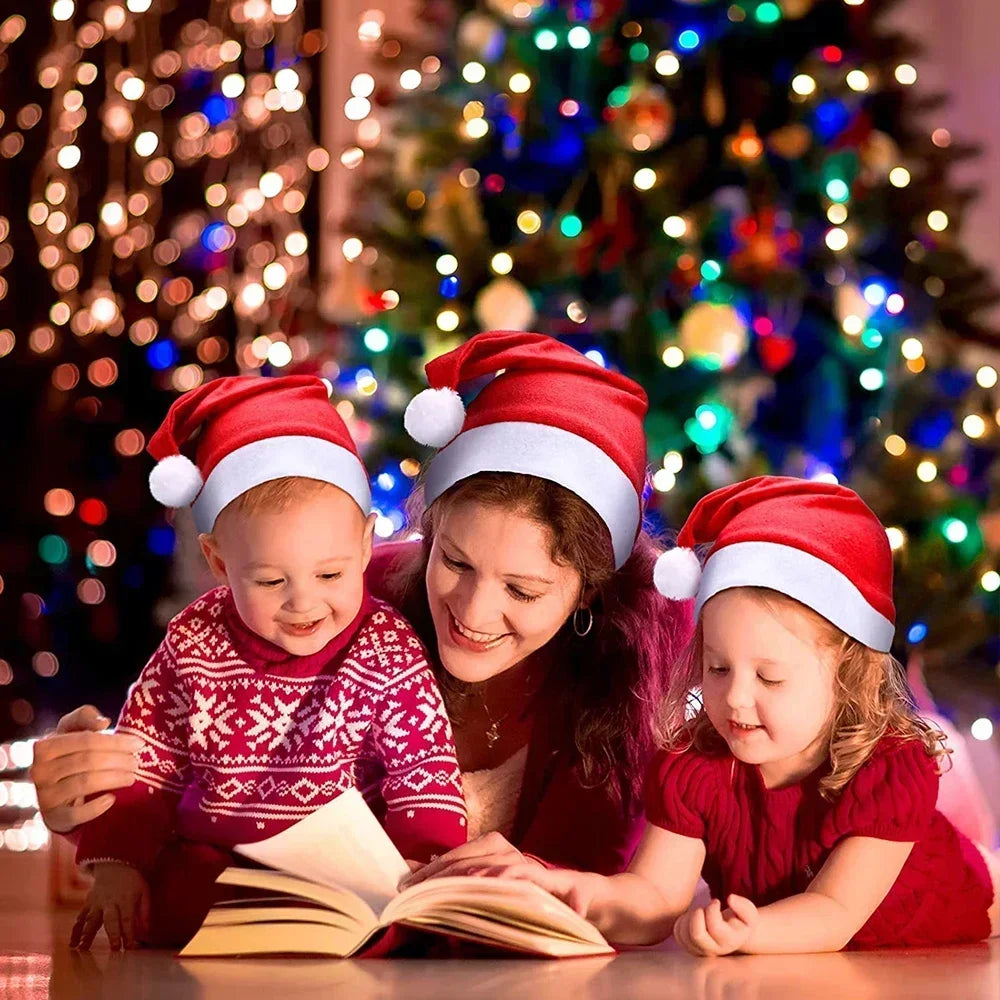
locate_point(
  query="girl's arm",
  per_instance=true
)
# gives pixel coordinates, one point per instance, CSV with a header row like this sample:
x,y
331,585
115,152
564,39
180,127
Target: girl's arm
x,y
638,906
848,889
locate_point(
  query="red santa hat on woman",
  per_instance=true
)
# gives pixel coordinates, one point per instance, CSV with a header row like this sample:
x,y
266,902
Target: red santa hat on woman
x,y
816,542
549,412
252,430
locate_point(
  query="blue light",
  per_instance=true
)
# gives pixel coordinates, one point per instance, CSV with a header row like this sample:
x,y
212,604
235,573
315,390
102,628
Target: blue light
x,y
217,109
449,287
161,355
831,119
875,293
217,237
160,540
917,632
689,39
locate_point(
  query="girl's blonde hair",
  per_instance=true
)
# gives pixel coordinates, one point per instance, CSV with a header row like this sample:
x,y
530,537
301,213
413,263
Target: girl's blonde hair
x,y
872,700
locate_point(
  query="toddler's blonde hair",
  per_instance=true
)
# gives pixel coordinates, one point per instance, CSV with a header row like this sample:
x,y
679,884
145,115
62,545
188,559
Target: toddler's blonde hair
x,y
871,700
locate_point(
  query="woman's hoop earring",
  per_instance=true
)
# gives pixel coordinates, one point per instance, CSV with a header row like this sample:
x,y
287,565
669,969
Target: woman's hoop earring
x,y
582,630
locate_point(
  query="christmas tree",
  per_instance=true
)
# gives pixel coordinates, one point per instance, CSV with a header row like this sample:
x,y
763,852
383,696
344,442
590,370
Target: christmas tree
x,y
744,206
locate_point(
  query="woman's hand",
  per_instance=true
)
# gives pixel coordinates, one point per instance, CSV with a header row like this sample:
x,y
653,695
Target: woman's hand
x,y
710,930
118,900
490,854
79,760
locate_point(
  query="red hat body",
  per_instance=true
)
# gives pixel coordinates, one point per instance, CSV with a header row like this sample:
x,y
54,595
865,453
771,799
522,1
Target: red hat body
x,y
814,541
252,430
551,412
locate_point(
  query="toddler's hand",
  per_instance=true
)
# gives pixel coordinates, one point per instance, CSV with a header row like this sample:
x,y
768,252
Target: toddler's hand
x,y
708,930
119,899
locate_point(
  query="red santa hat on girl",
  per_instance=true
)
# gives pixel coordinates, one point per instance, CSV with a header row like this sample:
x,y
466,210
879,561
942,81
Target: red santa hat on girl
x,y
817,542
251,430
550,412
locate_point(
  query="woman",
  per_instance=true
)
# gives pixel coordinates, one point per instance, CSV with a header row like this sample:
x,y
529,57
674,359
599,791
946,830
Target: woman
x,y
533,585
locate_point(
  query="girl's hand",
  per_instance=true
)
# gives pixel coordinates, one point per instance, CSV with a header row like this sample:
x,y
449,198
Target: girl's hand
x,y
119,899
577,889
79,760
708,930
490,854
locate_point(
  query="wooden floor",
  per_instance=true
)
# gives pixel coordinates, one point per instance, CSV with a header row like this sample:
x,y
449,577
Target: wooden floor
x,y
35,962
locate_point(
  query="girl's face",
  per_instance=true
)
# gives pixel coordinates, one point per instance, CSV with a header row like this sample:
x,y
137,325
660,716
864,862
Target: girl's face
x,y
767,684
495,594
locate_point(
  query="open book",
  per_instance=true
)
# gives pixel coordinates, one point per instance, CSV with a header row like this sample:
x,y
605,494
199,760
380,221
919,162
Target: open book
x,y
330,887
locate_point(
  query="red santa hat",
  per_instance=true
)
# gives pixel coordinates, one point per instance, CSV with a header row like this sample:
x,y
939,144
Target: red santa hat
x,y
817,542
251,430
550,412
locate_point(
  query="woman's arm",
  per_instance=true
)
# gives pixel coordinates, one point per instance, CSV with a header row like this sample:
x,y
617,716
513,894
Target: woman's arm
x,y
848,889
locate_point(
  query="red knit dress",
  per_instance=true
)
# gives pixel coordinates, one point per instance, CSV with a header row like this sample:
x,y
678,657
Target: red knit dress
x,y
768,844
242,739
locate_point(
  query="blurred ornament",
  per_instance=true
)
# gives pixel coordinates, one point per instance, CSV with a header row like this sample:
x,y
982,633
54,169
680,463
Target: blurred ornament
x,y
849,300
713,101
764,246
794,9
517,11
878,154
790,141
646,119
504,304
480,35
746,146
714,334
454,215
776,351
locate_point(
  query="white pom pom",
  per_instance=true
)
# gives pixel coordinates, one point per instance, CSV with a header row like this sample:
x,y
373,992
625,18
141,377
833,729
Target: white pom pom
x,y
175,481
676,574
434,416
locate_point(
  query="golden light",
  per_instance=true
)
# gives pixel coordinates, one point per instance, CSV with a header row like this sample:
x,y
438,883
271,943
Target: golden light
x,y
906,74
68,157
673,357
296,243
895,445
986,377
351,248
675,226
836,239
974,426
858,80
519,83
927,471
897,538
644,178
911,348
447,320
529,221
270,184
899,177
502,263
275,276
803,85
937,220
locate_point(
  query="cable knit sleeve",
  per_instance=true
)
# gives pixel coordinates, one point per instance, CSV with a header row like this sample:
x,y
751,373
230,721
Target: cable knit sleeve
x,y
422,789
892,796
678,791
136,827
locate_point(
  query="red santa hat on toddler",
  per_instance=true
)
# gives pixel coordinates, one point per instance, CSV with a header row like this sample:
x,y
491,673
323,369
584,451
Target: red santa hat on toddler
x,y
817,542
252,430
550,412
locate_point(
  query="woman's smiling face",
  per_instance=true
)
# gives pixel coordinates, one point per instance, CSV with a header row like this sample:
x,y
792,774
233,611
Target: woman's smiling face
x,y
495,593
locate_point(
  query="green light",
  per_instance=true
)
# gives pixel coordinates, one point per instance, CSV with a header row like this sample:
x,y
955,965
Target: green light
x,y
376,339
768,13
571,226
546,39
578,37
709,427
955,530
639,52
871,338
711,270
53,549
837,190
618,97
872,379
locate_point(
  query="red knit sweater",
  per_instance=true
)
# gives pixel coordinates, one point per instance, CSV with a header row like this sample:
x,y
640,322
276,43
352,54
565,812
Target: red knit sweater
x,y
768,844
243,739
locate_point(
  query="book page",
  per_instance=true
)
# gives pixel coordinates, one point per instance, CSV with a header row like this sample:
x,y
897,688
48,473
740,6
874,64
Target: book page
x,y
341,844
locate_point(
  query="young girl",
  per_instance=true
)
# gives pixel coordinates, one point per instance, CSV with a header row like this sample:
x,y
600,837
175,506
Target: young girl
x,y
803,786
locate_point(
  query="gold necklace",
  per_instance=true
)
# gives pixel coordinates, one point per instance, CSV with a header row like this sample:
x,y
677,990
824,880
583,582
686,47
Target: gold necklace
x,y
493,730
